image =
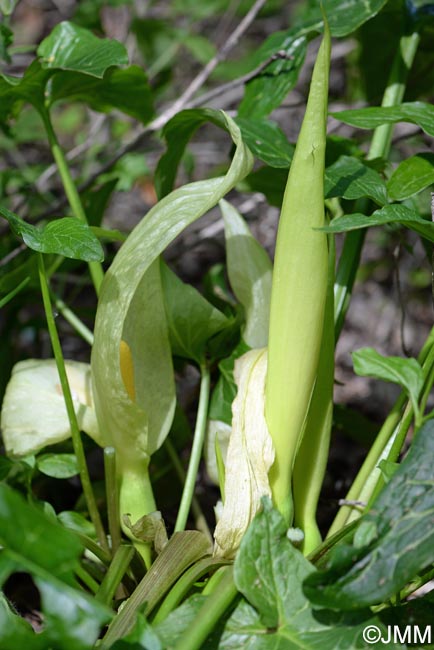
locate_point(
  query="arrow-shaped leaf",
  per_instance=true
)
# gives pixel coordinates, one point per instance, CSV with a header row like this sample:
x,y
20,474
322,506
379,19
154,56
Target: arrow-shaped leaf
x,y
68,237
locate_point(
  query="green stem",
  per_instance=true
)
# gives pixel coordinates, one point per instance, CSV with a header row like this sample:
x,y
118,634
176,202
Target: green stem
x,y
380,146
428,384
214,581
200,520
71,191
196,451
209,614
114,575
73,320
112,497
407,418
93,547
185,584
418,582
87,579
75,431
8,297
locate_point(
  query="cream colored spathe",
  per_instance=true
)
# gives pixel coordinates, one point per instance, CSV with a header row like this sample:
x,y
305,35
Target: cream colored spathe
x,y
249,457
34,414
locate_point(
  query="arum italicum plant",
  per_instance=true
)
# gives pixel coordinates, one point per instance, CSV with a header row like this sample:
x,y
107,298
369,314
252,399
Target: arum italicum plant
x,y
281,414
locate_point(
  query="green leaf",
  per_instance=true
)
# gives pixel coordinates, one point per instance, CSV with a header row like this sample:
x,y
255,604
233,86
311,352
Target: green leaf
x,y
81,68
14,91
343,16
419,113
387,468
412,176
68,237
349,178
270,182
72,619
404,542
58,465
74,48
124,89
267,91
177,133
37,544
15,632
407,373
269,572
371,79
338,146
131,309
250,274
395,213
192,320
266,141
34,537
6,465
76,522
6,38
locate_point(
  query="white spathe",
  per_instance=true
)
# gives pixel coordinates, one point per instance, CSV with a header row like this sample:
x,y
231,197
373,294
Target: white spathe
x,y
249,457
34,414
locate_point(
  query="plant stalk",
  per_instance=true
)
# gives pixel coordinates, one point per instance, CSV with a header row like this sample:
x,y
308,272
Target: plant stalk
x,y
196,451
114,575
96,270
200,520
210,613
112,497
73,320
75,431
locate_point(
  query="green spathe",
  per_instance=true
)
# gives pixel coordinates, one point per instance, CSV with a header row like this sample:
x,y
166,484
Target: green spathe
x,y
299,289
